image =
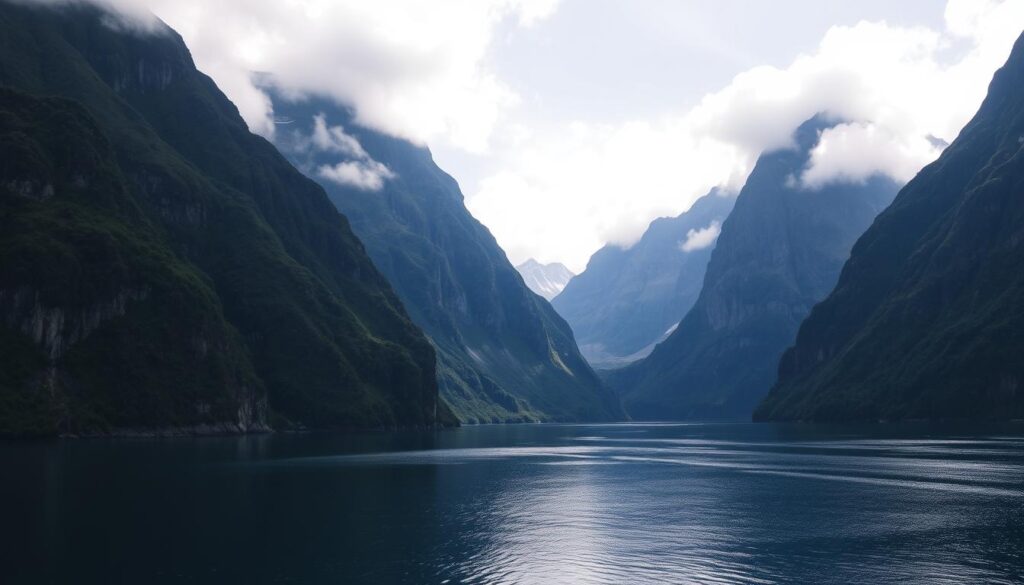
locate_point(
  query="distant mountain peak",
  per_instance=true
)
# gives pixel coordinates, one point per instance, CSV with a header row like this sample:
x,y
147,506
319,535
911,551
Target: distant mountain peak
x,y
779,252
621,306
547,280
502,353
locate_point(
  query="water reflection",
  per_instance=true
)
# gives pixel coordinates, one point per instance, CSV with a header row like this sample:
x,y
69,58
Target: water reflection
x,y
524,504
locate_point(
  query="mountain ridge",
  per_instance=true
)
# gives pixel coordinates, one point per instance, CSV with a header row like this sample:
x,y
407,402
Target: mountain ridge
x,y
504,354
924,322
779,251
546,280
187,277
630,299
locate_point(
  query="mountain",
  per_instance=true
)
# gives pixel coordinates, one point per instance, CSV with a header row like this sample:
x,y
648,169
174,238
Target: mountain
x,y
926,320
162,268
547,280
780,251
503,354
630,299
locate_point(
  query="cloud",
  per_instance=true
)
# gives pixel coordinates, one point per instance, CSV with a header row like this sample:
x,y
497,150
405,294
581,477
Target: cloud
x,y
360,170
334,139
121,14
412,69
578,186
557,189
702,238
856,152
368,176
564,193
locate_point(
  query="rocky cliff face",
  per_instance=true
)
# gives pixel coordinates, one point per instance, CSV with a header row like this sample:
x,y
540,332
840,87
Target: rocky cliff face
x,y
925,321
503,352
56,329
629,300
780,251
162,268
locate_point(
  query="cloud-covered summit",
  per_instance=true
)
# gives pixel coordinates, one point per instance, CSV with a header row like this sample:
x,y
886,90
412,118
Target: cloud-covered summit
x,y
413,69
902,87
854,152
557,184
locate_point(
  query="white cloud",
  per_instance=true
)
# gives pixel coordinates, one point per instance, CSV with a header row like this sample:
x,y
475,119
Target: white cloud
x,y
334,139
359,171
365,175
414,69
559,189
532,11
563,192
702,238
856,152
131,14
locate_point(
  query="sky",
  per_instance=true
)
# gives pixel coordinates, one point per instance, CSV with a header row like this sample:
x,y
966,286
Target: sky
x,y
571,124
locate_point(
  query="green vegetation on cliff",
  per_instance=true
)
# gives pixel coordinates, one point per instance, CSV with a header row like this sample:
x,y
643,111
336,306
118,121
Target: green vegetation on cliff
x,y
504,355
161,266
927,320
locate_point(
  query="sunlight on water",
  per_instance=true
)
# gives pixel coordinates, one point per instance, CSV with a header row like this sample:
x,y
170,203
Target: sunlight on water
x,y
644,521
573,504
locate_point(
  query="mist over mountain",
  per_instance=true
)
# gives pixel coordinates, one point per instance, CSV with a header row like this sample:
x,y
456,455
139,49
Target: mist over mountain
x,y
163,268
547,280
630,299
504,354
926,319
779,252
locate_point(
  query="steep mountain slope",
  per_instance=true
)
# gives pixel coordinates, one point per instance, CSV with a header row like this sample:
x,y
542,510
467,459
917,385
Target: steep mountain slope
x,y
546,280
628,300
503,352
162,267
927,320
779,252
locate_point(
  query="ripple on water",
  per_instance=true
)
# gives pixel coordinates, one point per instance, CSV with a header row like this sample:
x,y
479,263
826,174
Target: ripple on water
x,y
905,510
546,504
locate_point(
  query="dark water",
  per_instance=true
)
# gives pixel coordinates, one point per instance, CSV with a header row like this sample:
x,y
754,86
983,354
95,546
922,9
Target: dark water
x,y
713,503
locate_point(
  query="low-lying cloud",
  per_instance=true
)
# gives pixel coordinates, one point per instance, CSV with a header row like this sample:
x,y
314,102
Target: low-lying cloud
x,y
357,168
856,152
365,175
335,139
702,238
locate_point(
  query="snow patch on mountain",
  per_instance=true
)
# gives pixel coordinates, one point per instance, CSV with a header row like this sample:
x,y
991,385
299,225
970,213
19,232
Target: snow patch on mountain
x,y
547,280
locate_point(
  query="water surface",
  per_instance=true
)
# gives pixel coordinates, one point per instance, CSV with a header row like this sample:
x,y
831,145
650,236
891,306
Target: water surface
x,y
631,503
